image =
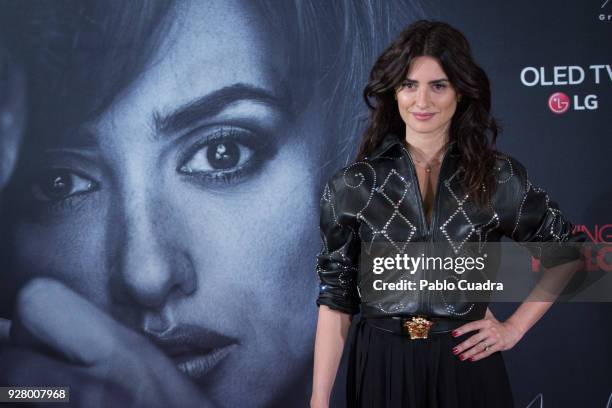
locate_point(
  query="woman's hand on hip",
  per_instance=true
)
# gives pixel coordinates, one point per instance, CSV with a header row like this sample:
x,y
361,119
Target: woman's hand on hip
x,y
490,336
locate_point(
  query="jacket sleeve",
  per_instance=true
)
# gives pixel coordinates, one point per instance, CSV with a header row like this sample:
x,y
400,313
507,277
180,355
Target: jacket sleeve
x,y
338,260
536,222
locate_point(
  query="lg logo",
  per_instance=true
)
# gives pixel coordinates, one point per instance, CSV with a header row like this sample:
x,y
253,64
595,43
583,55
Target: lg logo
x,y
568,75
560,103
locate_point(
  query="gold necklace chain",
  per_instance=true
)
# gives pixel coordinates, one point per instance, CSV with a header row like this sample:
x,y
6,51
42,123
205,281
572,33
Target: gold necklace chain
x,y
426,165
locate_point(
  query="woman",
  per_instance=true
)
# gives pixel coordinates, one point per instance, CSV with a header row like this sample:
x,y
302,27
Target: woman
x,y
170,177
430,131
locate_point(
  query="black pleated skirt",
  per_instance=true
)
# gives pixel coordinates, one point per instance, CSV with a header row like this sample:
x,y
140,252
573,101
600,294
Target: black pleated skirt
x,y
388,370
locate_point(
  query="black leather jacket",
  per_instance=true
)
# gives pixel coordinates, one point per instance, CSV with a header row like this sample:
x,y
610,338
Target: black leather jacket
x,y
378,200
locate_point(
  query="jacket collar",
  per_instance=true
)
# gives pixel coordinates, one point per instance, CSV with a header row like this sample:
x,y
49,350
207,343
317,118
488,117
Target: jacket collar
x,y
391,146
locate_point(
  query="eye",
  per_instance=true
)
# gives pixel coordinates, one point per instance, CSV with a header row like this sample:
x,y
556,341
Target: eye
x,y
409,84
60,184
439,87
225,156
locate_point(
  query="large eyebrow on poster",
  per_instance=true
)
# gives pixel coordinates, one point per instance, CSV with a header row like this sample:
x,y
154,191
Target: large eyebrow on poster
x,y
215,102
189,114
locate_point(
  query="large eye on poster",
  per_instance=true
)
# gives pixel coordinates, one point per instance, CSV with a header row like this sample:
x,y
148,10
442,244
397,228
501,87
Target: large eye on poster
x,y
187,189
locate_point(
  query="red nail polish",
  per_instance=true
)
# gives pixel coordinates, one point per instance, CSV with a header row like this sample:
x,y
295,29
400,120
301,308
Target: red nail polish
x,y
471,358
455,350
455,333
461,357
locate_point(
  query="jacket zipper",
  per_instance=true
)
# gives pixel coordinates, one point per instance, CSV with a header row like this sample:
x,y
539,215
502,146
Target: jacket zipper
x,y
429,228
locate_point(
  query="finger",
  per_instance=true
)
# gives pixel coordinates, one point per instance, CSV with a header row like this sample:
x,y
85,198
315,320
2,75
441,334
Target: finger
x,y
470,342
45,310
22,367
471,326
106,349
484,353
22,338
477,348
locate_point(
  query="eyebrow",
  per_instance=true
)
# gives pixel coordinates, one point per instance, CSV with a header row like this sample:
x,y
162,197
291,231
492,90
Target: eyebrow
x,y
211,104
78,137
431,82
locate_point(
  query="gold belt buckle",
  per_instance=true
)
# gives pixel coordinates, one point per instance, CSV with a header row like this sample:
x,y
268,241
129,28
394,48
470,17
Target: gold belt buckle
x,y
418,327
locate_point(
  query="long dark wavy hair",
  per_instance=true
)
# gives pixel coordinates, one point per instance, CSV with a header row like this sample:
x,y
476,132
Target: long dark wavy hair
x,y
472,127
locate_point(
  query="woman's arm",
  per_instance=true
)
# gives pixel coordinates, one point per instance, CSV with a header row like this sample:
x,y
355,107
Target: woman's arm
x,y
502,336
530,218
332,329
549,236
543,295
337,267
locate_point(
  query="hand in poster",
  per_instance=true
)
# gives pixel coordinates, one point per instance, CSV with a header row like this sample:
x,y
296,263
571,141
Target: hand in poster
x,y
58,338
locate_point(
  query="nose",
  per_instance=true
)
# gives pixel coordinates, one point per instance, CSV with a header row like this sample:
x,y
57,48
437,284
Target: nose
x,y
422,98
150,265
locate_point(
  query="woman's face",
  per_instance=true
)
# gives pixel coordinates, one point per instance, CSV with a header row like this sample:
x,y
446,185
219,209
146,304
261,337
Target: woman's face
x,y
187,207
427,100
